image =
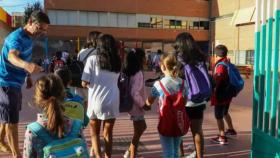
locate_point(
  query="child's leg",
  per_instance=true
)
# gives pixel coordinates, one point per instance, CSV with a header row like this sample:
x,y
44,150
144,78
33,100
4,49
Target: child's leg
x,y
177,141
139,128
227,118
196,128
167,144
108,136
95,137
219,114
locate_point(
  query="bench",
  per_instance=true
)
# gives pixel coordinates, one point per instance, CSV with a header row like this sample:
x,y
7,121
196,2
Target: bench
x,y
245,70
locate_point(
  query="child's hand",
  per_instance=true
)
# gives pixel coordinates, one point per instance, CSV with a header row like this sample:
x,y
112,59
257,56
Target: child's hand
x,y
147,107
85,84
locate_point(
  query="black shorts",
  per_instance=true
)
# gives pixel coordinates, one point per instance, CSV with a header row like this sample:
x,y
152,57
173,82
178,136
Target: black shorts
x,y
221,111
10,104
196,112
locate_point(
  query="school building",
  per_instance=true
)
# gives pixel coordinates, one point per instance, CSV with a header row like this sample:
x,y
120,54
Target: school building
x,y
232,24
137,23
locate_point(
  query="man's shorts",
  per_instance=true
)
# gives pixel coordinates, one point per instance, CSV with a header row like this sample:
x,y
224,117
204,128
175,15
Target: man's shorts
x,y
10,104
221,111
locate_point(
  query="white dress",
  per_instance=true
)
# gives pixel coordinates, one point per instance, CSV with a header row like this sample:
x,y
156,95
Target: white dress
x,y
103,92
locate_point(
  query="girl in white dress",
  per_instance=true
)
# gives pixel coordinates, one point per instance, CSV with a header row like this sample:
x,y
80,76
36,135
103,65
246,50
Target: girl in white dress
x,y
100,76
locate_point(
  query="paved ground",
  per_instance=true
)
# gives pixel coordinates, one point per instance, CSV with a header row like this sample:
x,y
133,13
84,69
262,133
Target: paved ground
x,y
150,146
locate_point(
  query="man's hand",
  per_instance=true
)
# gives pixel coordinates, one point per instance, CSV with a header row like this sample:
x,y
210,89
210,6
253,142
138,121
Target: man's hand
x,y
29,82
33,68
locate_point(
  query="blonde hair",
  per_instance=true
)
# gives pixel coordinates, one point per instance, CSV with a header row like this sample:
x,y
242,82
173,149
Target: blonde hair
x,y
170,62
49,95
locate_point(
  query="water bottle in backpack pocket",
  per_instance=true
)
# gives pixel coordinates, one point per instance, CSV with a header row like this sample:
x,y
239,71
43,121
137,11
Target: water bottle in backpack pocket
x,y
173,119
198,82
126,100
236,83
71,146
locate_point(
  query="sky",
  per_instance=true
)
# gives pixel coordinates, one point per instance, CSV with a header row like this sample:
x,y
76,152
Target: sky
x,y
16,5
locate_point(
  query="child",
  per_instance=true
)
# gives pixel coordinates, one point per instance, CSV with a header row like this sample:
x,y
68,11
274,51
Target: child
x,y
100,76
52,124
73,104
133,69
221,103
171,84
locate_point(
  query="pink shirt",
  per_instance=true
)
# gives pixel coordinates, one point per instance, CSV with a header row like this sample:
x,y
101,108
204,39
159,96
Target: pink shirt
x,y
137,92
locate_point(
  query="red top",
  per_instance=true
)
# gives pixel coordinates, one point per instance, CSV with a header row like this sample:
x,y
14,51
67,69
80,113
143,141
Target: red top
x,y
221,78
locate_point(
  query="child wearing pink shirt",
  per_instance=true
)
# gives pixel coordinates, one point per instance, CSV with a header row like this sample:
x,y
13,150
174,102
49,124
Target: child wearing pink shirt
x,y
134,64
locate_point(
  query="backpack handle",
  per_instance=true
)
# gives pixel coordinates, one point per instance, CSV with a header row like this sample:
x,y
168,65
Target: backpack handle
x,y
166,92
40,131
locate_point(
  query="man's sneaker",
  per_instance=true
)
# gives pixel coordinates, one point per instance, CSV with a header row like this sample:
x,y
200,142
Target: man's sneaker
x,y
191,155
220,140
230,133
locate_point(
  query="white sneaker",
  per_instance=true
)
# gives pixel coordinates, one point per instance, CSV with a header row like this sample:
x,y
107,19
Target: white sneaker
x,y
126,154
191,155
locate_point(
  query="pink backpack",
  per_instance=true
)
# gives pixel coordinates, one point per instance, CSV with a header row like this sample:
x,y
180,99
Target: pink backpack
x,y
173,119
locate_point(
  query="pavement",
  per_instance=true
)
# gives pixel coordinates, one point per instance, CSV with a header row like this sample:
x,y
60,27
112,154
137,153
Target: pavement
x,y
149,147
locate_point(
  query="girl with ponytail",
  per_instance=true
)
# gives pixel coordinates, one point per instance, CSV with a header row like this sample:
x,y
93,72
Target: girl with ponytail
x,y
49,96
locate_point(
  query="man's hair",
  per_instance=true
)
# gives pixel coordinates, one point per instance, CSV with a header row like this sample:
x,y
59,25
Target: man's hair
x,y
37,16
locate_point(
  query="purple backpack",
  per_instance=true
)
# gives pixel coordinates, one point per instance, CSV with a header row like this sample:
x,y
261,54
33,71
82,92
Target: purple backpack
x,y
198,81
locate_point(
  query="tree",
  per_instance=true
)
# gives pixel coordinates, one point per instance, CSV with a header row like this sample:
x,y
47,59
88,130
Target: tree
x,y
30,8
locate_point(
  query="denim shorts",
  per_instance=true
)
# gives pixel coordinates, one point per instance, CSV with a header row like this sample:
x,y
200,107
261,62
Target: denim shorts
x,y
10,104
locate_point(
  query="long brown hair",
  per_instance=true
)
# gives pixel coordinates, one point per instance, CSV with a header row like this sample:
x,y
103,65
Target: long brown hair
x,y
49,95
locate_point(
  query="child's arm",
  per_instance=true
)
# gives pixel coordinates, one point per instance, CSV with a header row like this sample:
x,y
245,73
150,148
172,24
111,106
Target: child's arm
x,y
149,102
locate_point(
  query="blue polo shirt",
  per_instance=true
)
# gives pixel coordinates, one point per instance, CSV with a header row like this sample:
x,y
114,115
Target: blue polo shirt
x,y
10,75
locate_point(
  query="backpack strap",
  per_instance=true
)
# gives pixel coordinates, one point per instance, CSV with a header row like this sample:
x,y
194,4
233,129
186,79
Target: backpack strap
x,y
76,127
220,63
182,86
40,131
163,88
87,55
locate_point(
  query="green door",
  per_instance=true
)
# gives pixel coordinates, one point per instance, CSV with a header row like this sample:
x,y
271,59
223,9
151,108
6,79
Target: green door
x,y
266,101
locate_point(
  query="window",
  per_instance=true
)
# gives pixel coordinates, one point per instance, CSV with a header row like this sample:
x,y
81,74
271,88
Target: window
x,y
196,25
62,18
103,19
122,20
52,16
142,24
83,18
154,22
93,19
159,22
204,25
175,24
131,20
191,25
113,20
166,24
250,57
72,17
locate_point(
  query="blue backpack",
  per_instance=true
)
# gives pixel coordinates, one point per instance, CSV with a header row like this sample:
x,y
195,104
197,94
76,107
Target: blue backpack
x,y
198,82
72,145
236,83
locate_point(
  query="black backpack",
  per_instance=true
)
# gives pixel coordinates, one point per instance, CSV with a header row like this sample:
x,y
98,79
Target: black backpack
x,y
77,67
126,100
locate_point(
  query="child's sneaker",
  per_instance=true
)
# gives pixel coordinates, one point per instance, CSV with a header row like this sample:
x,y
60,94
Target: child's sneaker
x,y
220,140
191,155
230,133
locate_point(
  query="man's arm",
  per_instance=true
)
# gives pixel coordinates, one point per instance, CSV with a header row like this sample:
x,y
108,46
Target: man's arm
x,y
16,61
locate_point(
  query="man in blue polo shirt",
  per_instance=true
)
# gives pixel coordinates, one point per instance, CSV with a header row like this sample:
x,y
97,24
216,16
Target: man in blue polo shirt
x,y
15,68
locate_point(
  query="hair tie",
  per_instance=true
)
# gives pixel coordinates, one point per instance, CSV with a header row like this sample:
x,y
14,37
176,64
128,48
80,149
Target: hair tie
x,y
133,50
